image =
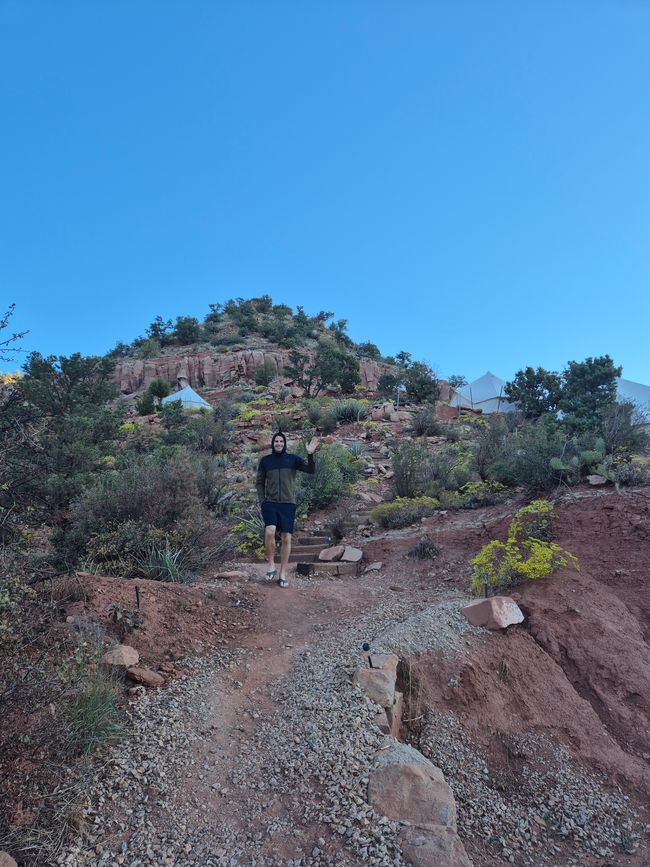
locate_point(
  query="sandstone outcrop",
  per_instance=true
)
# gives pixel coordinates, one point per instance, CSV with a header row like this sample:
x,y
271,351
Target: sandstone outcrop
x,y
213,369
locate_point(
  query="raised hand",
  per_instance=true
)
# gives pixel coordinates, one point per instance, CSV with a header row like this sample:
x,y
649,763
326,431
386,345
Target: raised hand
x,y
312,445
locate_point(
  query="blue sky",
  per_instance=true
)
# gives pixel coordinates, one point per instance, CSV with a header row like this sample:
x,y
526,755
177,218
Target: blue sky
x,y
468,181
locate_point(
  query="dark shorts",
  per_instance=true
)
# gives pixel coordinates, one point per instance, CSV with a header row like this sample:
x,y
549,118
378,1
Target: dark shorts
x,y
280,515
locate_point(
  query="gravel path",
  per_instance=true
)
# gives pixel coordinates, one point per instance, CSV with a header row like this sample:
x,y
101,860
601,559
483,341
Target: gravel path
x,y
281,779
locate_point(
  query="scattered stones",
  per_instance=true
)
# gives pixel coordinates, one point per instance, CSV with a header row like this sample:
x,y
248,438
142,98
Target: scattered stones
x,y
121,656
496,612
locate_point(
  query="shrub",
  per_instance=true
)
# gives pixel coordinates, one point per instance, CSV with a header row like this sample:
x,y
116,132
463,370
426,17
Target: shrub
x,y
165,563
403,512
328,422
265,372
449,468
314,412
524,457
425,423
424,549
473,495
411,464
248,533
93,716
336,468
522,557
625,469
349,410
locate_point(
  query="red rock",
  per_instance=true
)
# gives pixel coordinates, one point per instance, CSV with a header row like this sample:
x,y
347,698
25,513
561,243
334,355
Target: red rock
x,y
407,787
438,847
394,715
122,655
329,555
497,612
352,555
377,684
146,677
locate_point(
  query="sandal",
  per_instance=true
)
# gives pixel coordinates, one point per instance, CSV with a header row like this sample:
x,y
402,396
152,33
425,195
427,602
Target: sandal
x,y
282,581
270,575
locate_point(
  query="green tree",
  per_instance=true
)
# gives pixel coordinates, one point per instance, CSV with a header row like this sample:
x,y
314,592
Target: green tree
x,y
388,384
535,391
159,330
187,330
457,381
368,350
589,388
403,358
265,372
331,366
421,382
159,388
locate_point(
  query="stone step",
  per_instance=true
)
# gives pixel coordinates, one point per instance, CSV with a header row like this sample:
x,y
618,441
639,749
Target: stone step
x,y
337,568
313,540
307,549
302,558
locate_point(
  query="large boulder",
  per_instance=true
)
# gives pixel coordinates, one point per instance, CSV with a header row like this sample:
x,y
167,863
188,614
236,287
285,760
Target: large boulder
x,y
407,787
496,612
440,847
121,656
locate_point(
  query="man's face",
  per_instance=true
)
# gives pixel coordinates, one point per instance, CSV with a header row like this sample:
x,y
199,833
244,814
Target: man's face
x,y
278,444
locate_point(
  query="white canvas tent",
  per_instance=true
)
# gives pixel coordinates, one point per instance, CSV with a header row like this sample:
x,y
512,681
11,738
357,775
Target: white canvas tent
x,y
188,398
485,394
638,394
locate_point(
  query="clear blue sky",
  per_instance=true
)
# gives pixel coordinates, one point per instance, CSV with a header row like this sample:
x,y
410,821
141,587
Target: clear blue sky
x,y
469,181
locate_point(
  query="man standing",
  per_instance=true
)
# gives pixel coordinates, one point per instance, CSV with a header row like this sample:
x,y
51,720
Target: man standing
x,y
276,489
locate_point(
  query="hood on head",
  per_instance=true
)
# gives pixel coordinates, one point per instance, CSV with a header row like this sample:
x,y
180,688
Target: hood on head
x,y
279,434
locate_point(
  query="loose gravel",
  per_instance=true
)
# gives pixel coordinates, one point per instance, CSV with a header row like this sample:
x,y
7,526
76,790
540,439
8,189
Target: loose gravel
x,y
523,812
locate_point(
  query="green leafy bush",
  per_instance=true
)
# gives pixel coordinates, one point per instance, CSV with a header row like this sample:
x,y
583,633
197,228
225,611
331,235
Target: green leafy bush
x,y
404,511
522,557
473,495
425,423
336,469
346,411
411,465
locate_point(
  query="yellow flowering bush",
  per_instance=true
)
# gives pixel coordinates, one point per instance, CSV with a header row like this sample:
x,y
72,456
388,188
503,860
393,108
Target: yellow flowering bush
x,y
522,557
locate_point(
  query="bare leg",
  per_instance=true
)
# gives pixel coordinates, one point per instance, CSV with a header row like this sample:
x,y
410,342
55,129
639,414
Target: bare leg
x,y
269,546
285,551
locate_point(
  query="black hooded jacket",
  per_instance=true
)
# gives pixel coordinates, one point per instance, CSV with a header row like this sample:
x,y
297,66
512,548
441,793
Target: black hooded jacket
x,y
276,474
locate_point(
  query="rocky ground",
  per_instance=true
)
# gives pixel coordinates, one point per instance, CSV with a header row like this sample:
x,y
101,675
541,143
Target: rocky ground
x,y
258,751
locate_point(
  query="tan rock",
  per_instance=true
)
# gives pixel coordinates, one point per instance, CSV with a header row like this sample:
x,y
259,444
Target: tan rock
x,y
375,567
122,656
329,555
596,480
497,612
6,860
407,787
386,661
146,677
377,684
381,721
394,715
438,847
352,555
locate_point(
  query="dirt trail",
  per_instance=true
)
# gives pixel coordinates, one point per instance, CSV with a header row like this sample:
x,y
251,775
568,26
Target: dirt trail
x,y
260,755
